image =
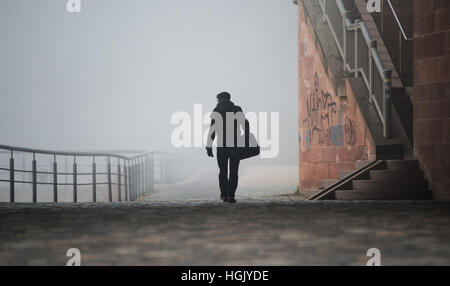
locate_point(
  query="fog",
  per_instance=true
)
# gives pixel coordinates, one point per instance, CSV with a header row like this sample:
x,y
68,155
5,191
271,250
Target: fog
x,y
111,77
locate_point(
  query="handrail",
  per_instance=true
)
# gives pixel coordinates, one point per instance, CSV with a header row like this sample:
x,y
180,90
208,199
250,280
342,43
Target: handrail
x,y
361,57
398,22
134,178
70,153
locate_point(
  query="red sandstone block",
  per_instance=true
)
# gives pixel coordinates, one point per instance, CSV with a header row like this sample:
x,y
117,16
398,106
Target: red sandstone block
x,y
437,170
420,132
420,93
447,175
442,108
427,153
447,41
435,46
443,153
430,70
422,7
436,131
442,20
416,72
447,130
437,91
423,110
352,154
441,4
307,156
420,46
329,154
444,64
441,192
346,165
424,24
332,171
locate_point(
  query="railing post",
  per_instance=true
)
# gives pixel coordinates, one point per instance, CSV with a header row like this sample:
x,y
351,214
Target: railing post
x,y
66,169
152,168
147,173
356,46
373,45
387,104
119,180
141,191
139,176
132,180
163,169
135,179
24,175
75,182
94,180
55,180
144,189
345,35
400,60
34,178
382,18
125,182
109,181
11,178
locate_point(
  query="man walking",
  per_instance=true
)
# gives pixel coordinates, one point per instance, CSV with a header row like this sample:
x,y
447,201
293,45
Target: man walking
x,y
226,121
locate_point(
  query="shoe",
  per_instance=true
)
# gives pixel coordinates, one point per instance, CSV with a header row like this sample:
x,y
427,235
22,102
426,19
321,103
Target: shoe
x,y
224,199
231,200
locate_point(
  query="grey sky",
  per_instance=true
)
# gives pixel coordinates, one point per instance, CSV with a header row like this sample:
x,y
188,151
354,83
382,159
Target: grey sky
x,y
112,76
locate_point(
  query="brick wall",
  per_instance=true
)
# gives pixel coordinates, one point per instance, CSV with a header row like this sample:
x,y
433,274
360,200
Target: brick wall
x,y
332,132
432,92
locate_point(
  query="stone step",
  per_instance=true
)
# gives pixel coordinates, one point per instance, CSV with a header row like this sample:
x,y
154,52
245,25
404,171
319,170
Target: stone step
x,y
402,164
389,184
390,156
413,174
383,195
389,149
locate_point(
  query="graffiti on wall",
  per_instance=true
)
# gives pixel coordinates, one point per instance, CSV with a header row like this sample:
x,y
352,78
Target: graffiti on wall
x,y
350,131
322,123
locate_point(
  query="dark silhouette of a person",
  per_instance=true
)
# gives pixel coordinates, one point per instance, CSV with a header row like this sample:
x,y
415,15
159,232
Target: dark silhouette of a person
x,y
232,119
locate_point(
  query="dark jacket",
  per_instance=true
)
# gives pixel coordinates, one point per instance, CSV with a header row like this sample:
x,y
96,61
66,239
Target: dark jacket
x,y
223,109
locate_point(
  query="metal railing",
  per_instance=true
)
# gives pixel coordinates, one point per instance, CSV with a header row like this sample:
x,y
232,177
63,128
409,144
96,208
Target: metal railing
x,y
396,39
359,53
133,175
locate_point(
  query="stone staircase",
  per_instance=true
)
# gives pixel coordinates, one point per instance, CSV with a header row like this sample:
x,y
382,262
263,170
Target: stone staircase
x,y
392,180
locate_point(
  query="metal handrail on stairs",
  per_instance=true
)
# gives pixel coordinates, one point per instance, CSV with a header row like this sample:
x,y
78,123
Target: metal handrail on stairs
x,y
360,55
400,46
402,30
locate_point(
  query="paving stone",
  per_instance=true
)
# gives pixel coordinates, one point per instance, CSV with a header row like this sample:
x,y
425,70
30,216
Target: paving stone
x,y
269,231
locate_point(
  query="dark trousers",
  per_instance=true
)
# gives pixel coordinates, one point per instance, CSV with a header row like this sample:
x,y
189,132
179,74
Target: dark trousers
x,y
227,184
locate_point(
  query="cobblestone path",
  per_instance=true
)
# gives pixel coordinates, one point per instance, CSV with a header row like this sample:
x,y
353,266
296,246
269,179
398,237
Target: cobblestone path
x,y
275,231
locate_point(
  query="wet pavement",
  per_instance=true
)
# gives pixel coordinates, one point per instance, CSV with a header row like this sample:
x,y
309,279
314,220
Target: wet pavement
x,y
277,230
